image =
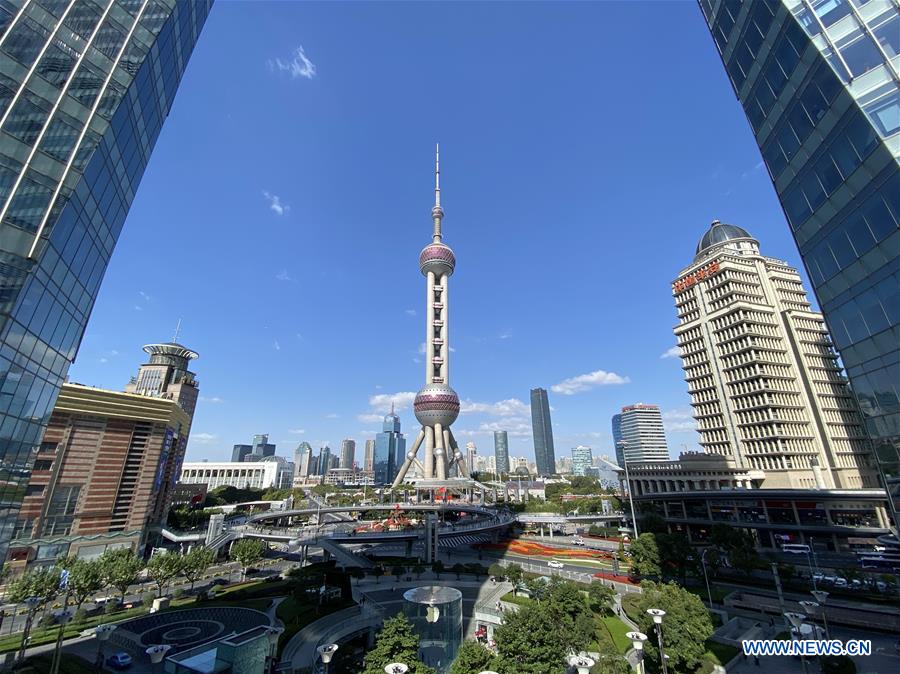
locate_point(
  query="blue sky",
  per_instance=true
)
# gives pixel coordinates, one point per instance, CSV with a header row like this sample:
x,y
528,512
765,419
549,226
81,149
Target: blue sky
x,y
585,149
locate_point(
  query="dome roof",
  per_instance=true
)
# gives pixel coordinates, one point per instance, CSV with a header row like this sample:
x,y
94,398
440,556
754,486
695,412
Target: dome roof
x,y
719,232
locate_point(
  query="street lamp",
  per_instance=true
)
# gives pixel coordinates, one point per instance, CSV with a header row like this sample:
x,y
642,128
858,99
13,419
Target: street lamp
x,y
637,642
821,597
31,604
581,662
62,618
103,633
326,652
634,523
705,576
158,653
796,620
396,668
657,615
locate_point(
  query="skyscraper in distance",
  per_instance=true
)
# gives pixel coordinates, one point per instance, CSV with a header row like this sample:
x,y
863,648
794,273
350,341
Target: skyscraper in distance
x,y
617,439
389,444
324,460
643,435
471,453
369,460
348,453
302,458
542,432
501,451
84,90
582,459
820,87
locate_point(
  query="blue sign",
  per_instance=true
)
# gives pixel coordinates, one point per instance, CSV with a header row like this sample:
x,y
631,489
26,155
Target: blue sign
x,y
63,579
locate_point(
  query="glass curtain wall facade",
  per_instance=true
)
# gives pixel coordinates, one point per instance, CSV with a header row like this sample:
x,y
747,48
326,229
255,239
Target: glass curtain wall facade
x,y
84,88
390,450
617,439
542,432
819,81
501,451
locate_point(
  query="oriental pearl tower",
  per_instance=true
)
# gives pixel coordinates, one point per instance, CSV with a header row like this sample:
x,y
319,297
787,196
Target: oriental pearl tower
x,y
436,404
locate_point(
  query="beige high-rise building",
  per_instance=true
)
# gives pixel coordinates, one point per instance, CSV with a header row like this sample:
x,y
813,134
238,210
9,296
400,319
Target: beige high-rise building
x,y
766,388
369,461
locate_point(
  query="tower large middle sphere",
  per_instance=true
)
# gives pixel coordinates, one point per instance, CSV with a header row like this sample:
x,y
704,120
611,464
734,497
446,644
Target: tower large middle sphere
x,y
436,404
438,258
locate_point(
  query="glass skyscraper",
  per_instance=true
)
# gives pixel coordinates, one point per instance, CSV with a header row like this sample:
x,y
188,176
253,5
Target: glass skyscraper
x,y
818,80
390,450
501,451
542,432
84,88
617,439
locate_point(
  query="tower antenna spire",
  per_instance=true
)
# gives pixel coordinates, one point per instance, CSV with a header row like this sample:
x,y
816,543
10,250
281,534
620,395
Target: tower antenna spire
x,y
177,331
437,213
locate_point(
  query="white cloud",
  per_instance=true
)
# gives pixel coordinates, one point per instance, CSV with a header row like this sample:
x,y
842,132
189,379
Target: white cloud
x,y
213,399
276,345
381,402
678,420
204,438
138,308
298,66
104,360
370,418
505,335
275,203
409,312
673,352
113,353
585,382
378,387
332,415
503,408
284,276
145,296
297,431
514,426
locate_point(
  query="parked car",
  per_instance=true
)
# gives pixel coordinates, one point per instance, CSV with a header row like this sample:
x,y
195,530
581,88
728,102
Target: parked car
x,y
251,571
555,565
840,582
219,581
578,541
119,660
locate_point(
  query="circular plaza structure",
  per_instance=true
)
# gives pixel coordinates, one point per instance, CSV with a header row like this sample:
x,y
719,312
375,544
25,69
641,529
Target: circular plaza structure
x,y
188,628
436,613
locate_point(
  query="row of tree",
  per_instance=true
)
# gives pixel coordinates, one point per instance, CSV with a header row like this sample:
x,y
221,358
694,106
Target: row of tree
x,y
119,570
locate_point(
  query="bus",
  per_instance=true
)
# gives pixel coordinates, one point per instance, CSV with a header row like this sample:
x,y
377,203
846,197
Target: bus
x,y
879,563
795,548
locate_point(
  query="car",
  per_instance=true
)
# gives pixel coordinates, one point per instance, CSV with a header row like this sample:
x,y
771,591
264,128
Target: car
x,y
219,581
251,571
555,565
578,541
274,578
818,577
120,660
840,582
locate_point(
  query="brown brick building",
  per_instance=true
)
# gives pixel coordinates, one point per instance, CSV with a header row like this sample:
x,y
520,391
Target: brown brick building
x,y
104,473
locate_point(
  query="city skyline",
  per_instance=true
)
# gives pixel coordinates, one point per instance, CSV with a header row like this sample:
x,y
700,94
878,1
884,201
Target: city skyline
x,y
350,391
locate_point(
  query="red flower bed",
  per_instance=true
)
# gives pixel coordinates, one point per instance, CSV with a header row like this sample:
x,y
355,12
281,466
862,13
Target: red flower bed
x,y
611,576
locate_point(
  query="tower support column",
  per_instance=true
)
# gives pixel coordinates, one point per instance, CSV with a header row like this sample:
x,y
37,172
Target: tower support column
x,y
429,452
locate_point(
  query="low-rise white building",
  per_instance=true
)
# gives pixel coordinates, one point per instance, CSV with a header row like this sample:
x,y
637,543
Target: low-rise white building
x,y
271,473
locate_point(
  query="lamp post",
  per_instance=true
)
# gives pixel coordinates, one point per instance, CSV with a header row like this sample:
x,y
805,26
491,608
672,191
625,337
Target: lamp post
x,y
103,633
326,652
157,654
657,614
705,576
637,642
581,662
62,618
796,620
634,523
821,597
396,668
31,604
811,608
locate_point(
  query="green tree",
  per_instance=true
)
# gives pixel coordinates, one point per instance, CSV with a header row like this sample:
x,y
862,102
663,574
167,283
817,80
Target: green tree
x,y
398,570
674,551
42,584
247,552
438,567
120,569
162,568
85,578
686,626
601,598
378,572
514,573
497,571
645,559
610,661
418,569
652,523
472,658
529,642
196,562
458,569
396,642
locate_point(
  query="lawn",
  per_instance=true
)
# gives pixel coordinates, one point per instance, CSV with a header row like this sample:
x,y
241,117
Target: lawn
x,y
617,630
46,635
513,599
296,615
720,654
